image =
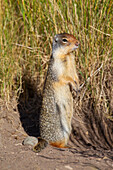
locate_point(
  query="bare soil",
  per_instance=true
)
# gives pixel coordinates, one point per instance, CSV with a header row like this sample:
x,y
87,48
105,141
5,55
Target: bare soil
x,y
16,122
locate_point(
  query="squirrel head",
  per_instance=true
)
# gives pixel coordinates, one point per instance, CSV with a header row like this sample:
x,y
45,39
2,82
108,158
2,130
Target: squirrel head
x,y
64,43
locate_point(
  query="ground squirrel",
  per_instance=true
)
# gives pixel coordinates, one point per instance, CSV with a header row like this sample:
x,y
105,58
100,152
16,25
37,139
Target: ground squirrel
x,y
57,104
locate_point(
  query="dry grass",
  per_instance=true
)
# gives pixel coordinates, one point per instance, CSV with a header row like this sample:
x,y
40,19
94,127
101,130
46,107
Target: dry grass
x,y
26,31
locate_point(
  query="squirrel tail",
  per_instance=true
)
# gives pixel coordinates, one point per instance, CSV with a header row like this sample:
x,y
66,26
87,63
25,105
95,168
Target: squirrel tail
x,y
40,145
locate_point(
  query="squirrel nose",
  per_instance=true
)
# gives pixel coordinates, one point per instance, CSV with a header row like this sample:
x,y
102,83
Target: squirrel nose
x,y
77,43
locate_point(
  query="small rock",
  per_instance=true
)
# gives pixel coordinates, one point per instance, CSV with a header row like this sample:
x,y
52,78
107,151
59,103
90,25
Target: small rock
x,y
30,140
68,167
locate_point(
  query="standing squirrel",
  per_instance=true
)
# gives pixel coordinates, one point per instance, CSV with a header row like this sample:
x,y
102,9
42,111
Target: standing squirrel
x,y
57,103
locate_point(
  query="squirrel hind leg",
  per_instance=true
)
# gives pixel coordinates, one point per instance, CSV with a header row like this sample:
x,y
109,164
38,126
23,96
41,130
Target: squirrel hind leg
x,y
60,144
40,145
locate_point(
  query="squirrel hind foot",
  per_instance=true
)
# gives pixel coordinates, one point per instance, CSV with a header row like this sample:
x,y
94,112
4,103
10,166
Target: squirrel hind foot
x,y
40,145
59,144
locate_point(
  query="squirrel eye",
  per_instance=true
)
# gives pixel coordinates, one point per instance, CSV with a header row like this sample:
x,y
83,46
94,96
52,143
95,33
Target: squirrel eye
x,y
64,40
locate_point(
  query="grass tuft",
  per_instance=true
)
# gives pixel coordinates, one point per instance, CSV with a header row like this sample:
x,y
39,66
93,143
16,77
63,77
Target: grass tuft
x,y
26,31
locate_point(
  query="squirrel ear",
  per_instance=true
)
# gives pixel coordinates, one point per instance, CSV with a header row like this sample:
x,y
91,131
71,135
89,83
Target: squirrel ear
x,y
56,38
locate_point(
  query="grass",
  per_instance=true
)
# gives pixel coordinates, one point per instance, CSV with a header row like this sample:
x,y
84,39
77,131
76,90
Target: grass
x,y
26,31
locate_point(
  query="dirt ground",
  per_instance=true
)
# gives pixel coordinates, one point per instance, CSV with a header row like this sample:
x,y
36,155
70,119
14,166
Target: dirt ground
x,y
15,156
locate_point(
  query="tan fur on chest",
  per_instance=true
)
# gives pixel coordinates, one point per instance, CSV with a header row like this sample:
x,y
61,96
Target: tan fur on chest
x,y
64,65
